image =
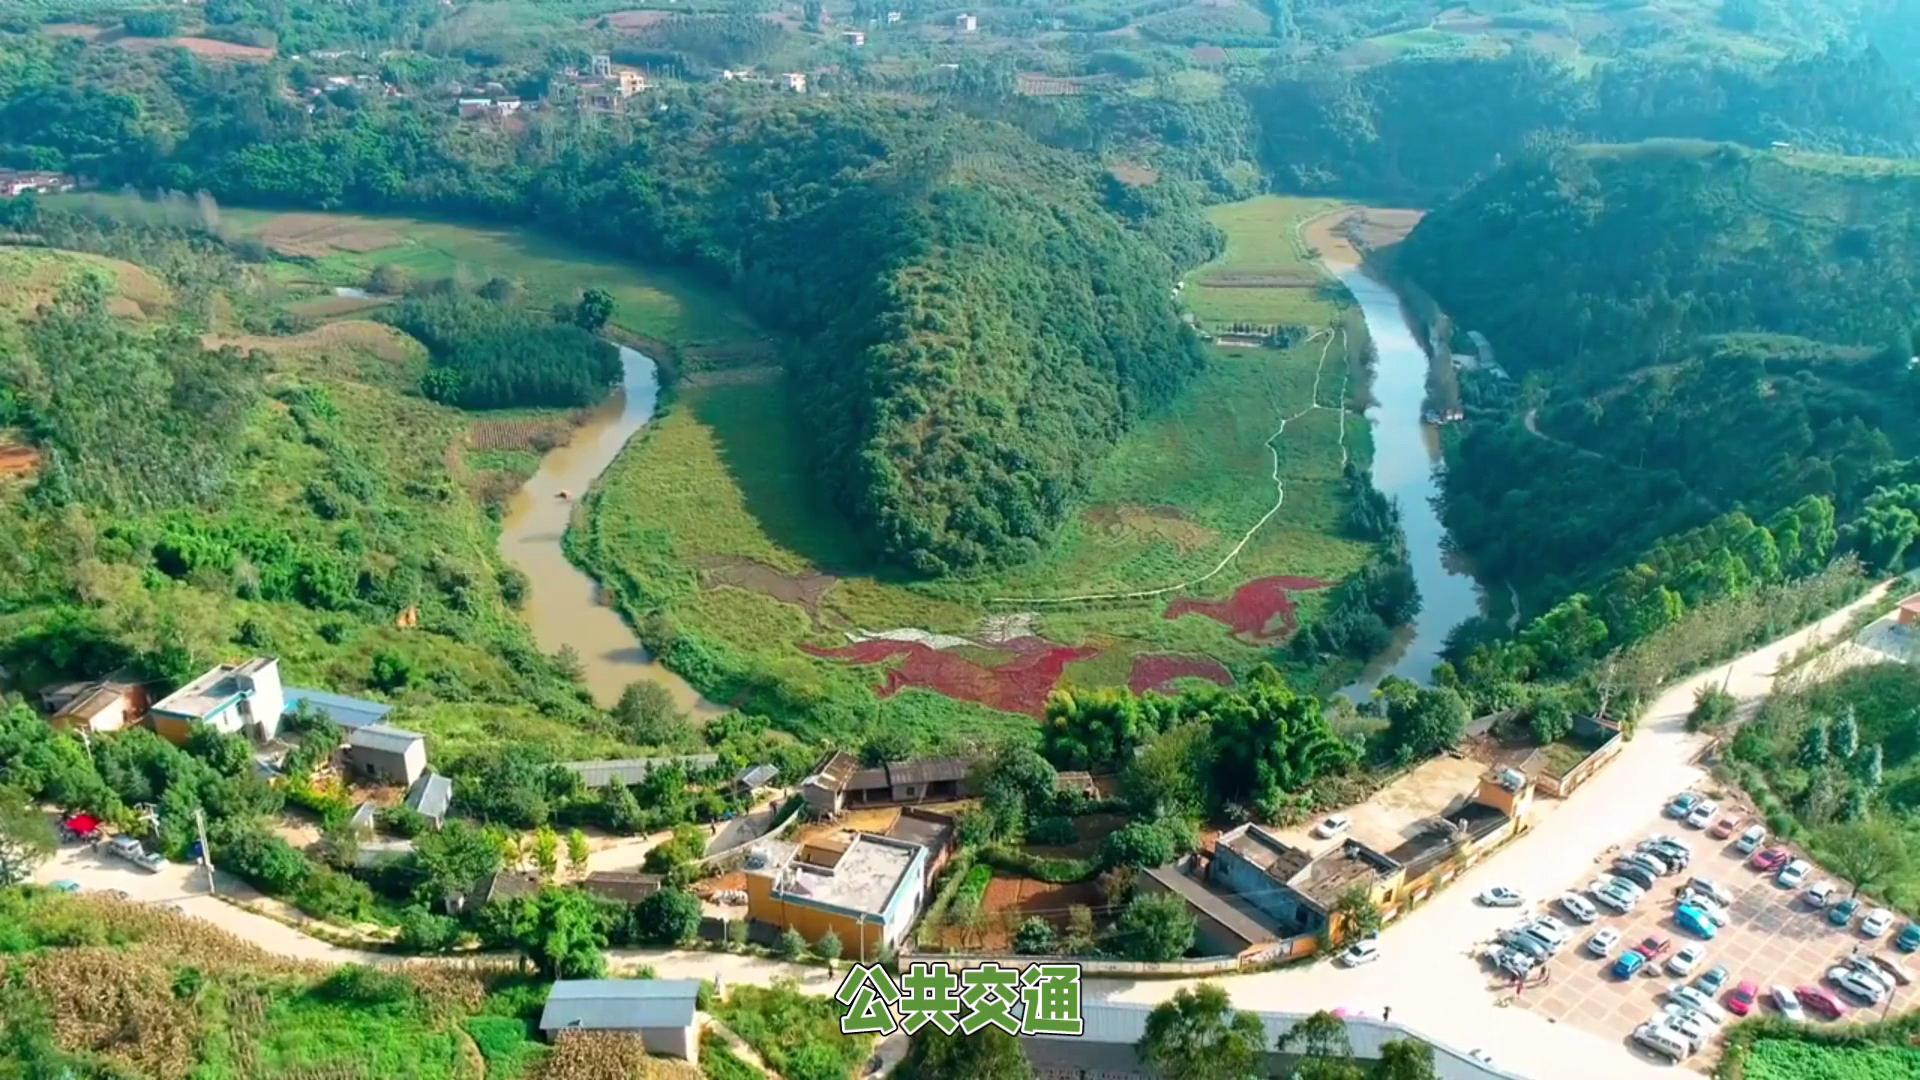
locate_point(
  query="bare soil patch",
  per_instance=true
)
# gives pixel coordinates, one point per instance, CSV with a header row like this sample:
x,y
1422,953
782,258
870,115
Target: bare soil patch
x,y
538,435
804,590
636,20
205,48
17,459
1168,523
377,339
1134,175
73,30
1343,238
333,307
314,236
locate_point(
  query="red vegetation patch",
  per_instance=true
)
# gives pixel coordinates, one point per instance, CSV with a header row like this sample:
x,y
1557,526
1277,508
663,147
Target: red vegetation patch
x,y
1251,610
1020,685
1155,671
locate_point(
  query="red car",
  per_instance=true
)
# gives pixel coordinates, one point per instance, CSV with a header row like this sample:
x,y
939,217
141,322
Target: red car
x,y
1740,1001
1652,947
1770,860
1819,1002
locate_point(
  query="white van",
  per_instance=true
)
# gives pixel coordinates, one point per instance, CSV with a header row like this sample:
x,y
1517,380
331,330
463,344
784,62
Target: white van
x,y
1663,1040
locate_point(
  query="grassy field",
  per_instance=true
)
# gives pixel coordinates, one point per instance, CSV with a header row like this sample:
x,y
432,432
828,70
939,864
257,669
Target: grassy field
x,y
709,520
1264,276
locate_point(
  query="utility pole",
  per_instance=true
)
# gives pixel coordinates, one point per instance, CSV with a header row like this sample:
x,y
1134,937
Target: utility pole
x,y
206,849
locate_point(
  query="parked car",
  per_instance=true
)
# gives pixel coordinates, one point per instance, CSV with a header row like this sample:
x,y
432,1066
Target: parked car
x,y
1603,941
1788,1004
1333,826
1688,1024
1550,930
1360,952
1713,981
1857,983
1519,940
1688,957
1724,827
1667,850
126,847
1751,839
1869,970
1740,1002
1652,948
1634,872
1629,964
1612,897
1697,1001
1820,1002
1695,922
1702,814
1792,874
1909,938
1578,907
66,885
1662,859
1842,913
1662,1040
1513,962
1683,804
1500,896
1769,860
1877,922
1714,912
1818,894
1711,888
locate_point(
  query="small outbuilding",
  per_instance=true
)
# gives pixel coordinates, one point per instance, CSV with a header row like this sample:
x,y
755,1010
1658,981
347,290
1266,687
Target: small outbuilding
x,y
662,1012
431,796
387,755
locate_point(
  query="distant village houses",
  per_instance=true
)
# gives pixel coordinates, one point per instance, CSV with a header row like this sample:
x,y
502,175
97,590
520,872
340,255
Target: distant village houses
x,y
16,182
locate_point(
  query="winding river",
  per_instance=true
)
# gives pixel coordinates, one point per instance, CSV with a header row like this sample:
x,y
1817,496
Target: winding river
x,y
1407,468
563,605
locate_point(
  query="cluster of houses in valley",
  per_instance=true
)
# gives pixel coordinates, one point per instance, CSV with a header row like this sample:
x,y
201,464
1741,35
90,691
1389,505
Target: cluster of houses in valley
x,y
248,699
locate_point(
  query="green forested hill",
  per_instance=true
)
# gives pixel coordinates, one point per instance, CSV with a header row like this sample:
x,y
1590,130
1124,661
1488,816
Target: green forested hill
x,y
1707,330
1616,256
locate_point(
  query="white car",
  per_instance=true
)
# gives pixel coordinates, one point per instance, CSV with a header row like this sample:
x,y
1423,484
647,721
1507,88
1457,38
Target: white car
x,y
1707,906
126,847
1333,826
1687,960
1550,930
1792,874
1751,840
1711,888
1360,952
1696,1029
1615,881
1500,896
1702,814
1578,907
1865,988
1513,962
1818,894
1663,1040
1869,970
1603,941
1877,922
1788,1003
1693,999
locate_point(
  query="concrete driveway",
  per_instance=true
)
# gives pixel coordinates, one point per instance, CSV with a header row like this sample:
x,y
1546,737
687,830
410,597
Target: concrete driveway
x,y
1428,973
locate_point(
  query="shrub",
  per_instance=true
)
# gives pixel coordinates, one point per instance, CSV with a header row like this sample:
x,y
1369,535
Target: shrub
x,y
791,945
422,931
1053,831
828,948
1035,937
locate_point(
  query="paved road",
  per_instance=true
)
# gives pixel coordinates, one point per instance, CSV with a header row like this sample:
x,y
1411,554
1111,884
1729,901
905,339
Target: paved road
x,y
1428,975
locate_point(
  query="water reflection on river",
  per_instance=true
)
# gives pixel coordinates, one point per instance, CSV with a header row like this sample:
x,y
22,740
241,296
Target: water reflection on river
x,y
1407,467
563,605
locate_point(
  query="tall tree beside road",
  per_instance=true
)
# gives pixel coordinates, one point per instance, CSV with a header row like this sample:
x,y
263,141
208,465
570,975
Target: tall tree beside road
x,y
1866,853
1405,1059
26,836
1155,927
1198,1036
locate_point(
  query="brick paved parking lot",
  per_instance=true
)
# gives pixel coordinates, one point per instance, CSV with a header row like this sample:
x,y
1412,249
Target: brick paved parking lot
x,y
1774,938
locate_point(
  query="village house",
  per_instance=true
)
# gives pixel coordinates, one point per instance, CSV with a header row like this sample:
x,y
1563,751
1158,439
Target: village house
x,y
108,705
931,830
853,38
16,182
839,783
385,754
795,81
630,771
1299,891
663,1013
622,886
243,699
966,24
865,888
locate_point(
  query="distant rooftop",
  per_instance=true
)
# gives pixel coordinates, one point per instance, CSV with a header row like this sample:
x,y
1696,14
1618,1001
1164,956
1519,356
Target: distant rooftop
x,y
599,774
865,877
213,691
1473,819
390,740
1328,877
619,1004
929,830
344,711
